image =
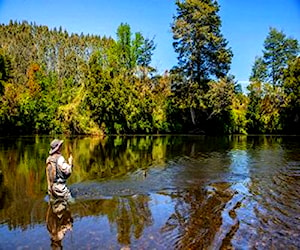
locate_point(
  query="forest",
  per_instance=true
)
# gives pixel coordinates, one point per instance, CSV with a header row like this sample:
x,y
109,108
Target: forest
x,y
53,82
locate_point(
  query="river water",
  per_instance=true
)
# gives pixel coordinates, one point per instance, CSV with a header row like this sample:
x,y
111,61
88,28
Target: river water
x,y
154,192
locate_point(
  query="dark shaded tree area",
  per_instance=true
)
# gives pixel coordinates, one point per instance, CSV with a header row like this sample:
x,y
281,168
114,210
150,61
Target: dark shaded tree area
x,y
55,82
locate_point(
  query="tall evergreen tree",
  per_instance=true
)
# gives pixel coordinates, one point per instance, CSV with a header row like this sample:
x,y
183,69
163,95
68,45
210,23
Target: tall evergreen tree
x,y
259,70
133,52
278,51
202,53
268,93
202,49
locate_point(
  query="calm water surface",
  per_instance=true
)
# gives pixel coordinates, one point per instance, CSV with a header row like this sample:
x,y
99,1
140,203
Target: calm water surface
x,y
154,192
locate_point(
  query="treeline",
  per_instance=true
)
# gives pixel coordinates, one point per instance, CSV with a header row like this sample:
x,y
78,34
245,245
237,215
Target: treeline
x,y
55,82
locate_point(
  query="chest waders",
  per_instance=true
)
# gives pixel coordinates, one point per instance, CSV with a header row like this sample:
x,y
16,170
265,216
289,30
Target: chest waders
x,y
57,179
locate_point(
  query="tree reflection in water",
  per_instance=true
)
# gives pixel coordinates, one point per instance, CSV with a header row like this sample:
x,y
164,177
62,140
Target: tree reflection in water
x,y
130,215
133,215
197,217
214,192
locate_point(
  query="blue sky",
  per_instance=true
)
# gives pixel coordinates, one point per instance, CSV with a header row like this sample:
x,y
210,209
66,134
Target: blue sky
x,y
245,23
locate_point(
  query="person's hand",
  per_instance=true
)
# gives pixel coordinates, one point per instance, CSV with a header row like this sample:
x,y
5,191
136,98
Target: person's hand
x,y
70,160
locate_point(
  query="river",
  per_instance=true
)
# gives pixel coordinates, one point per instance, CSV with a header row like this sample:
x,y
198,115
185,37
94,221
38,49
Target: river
x,y
154,192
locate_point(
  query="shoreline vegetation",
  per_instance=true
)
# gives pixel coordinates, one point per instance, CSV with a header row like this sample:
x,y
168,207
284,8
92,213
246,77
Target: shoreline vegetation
x,y
53,82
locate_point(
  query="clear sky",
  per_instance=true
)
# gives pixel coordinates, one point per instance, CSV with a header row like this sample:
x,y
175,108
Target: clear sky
x,y
245,23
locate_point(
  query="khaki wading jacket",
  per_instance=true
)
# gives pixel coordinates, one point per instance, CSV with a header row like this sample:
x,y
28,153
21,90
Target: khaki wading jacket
x,y
57,171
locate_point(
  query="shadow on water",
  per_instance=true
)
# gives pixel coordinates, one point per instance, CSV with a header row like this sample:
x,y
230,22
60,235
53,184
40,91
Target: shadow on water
x,y
162,192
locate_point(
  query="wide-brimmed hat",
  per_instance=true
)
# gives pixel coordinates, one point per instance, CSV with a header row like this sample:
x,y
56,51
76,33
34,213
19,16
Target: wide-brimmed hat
x,y
55,145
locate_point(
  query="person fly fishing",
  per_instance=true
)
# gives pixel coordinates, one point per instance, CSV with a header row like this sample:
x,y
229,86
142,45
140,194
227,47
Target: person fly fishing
x,y
58,170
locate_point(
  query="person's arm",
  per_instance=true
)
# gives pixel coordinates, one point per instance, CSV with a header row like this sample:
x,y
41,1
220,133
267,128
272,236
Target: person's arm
x,y
64,166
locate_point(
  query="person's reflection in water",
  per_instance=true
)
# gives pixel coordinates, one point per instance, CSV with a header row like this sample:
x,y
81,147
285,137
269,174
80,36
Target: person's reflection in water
x,y
59,220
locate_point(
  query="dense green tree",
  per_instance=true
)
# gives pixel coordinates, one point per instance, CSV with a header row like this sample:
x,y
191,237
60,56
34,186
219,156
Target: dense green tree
x,y
5,68
267,102
202,54
119,93
291,84
161,94
202,49
267,93
259,70
278,51
239,108
134,53
124,46
219,104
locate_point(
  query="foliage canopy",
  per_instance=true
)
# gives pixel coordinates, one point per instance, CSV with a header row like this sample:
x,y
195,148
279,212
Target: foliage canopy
x,y
55,82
